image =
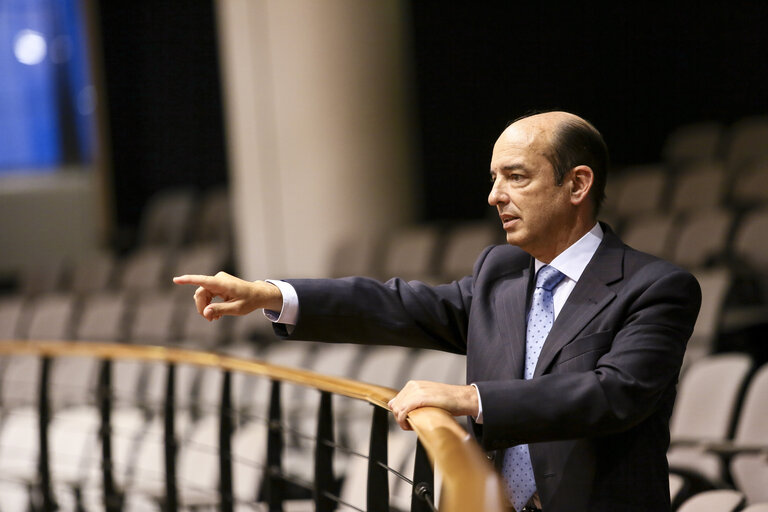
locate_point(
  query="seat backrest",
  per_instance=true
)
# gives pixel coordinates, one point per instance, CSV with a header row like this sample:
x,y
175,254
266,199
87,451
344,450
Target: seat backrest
x,y
52,317
437,366
750,186
20,381
698,187
155,320
642,191
464,244
166,218
750,244
200,259
249,444
214,222
73,381
11,314
720,500
746,142
693,142
752,426
702,237
707,397
715,284
650,233
93,272
410,253
103,317
145,269
355,254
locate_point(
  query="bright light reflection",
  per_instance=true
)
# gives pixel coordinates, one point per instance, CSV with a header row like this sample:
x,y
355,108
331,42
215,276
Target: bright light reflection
x,y
30,47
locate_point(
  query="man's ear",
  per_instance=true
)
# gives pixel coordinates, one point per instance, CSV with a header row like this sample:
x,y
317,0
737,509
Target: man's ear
x,y
582,178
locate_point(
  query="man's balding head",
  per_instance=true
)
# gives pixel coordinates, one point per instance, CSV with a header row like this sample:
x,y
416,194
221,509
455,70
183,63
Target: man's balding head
x,y
567,141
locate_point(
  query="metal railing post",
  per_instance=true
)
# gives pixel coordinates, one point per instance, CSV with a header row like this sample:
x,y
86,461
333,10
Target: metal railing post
x,y
324,478
225,445
378,479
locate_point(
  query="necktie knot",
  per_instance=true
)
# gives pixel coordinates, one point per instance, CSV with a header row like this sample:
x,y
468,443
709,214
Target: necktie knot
x,y
548,278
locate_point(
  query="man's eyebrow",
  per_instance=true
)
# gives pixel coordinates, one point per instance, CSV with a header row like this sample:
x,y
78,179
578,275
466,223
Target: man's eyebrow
x,y
510,167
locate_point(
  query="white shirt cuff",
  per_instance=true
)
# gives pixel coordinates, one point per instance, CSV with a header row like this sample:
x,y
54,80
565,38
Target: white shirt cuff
x,y
479,418
289,314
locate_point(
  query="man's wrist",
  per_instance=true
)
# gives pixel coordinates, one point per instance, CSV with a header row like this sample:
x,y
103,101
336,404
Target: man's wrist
x,y
286,310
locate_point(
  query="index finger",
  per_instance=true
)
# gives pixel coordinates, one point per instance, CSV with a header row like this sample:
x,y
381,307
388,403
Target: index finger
x,y
195,279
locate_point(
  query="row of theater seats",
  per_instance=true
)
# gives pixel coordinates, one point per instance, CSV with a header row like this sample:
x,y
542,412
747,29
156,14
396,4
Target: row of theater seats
x,y
718,430
137,420
704,206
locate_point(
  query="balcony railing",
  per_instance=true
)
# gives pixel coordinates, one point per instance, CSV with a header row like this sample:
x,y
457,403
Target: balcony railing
x,y
211,477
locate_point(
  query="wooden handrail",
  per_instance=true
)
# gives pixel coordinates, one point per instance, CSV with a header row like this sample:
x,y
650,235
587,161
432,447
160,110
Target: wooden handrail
x,y
469,481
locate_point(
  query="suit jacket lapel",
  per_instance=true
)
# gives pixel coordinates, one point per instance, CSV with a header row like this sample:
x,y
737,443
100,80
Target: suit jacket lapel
x,y
590,295
512,297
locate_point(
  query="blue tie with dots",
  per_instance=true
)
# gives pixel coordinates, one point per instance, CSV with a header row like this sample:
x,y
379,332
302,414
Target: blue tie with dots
x,y
517,469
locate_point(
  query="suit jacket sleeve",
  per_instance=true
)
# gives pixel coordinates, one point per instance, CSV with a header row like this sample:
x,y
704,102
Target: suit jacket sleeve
x,y
366,311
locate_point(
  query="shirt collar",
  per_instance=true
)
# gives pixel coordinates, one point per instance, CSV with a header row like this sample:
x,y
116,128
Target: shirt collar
x,y
572,261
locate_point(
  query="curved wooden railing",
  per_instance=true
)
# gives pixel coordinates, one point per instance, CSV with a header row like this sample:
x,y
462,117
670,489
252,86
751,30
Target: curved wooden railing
x,y
469,482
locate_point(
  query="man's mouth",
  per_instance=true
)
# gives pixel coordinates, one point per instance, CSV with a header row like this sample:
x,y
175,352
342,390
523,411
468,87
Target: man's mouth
x,y
508,220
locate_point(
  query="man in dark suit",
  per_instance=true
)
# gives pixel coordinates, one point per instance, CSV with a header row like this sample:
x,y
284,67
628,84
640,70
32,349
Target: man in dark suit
x,y
571,377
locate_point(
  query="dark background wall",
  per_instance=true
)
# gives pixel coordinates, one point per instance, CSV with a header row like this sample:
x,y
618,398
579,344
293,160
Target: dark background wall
x,y
635,71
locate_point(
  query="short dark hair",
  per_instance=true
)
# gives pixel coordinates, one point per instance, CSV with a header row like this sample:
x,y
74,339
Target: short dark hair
x,y
577,142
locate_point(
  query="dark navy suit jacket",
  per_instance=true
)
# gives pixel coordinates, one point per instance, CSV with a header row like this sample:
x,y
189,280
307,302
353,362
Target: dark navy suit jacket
x,y
596,414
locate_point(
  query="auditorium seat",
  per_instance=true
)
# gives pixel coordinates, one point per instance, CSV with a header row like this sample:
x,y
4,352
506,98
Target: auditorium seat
x,y
463,244
11,316
166,218
678,489
643,191
146,269
195,332
104,318
716,283
20,381
750,186
720,500
694,142
248,463
410,253
704,412
750,246
144,478
651,233
93,272
438,366
702,238
747,141
42,274
213,223
356,254
698,186
749,466
197,472
52,317
156,318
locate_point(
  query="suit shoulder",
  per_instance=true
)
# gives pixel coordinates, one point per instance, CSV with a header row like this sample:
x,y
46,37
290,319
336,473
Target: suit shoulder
x,y
498,259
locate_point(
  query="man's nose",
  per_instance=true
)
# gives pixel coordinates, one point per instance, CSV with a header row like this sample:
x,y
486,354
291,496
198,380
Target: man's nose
x,y
496,196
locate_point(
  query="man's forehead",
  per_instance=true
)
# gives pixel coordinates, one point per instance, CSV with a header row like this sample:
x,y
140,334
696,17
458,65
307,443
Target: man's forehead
x,y
521,137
